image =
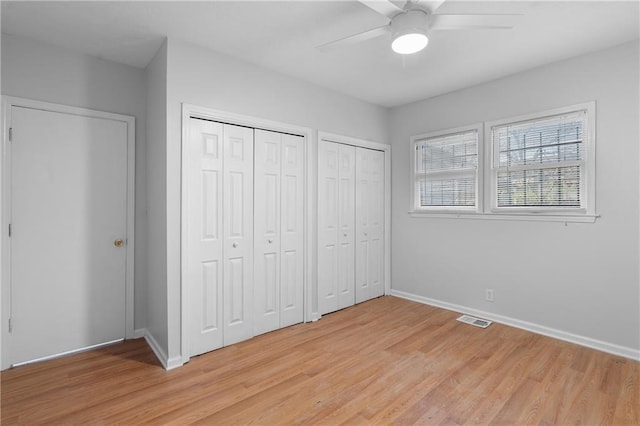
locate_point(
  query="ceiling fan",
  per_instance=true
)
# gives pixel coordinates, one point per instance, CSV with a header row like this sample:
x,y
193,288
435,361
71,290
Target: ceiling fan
x,y
409,25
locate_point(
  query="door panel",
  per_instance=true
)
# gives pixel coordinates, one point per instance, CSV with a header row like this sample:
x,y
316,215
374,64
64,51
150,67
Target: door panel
x,y
362,264
327,226
279,279
69,205
346,232
204,240
290,277
369,224
267,231
234,309
238,233
376,225
209,296
336,222
210,204
363,216
292,231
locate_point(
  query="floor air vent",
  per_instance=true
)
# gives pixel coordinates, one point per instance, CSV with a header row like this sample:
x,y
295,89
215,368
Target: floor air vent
x,y
478,322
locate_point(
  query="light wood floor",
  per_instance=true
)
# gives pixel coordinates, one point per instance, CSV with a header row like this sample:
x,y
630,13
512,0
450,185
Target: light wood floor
x,y
384,361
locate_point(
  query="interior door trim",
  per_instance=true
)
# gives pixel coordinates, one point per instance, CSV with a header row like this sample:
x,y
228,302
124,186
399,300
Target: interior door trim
x,y
310,145
5,195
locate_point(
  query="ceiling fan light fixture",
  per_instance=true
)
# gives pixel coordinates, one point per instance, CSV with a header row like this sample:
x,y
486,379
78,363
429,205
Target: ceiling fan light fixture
x,y
409,32
409,43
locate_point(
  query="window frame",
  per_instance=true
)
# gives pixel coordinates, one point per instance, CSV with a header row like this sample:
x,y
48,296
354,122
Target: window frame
x,y
587,165
415,206
486,174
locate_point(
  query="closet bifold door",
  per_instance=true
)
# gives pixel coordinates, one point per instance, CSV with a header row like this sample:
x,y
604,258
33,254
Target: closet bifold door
x,y
278,222
336,222
238,234
219,259
204,261
369,224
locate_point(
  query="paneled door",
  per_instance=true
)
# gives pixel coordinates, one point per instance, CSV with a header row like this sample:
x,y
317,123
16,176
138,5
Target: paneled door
x,y
336,226
278,257
68,232
369,224
219,260
238,233
205,237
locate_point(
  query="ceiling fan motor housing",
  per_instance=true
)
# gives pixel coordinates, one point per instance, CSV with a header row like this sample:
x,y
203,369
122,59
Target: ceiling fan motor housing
x,y
409,32
409,22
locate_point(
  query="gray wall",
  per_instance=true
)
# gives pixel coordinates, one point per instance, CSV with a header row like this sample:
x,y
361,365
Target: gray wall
x,y
156,79
42,72
580,278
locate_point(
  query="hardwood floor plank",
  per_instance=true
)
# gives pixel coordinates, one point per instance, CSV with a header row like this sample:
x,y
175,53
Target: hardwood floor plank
x,y
628,408
386,361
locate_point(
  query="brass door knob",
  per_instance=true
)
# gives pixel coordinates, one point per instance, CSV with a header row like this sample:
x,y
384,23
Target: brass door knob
x,y
118,243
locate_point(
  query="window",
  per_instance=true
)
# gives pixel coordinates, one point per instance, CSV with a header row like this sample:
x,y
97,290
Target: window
x,y
540,162
445,170
540,165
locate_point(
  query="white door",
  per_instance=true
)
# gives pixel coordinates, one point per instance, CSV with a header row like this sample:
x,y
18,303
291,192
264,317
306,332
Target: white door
x,y
369,224
68,208
336,222
278,257
346,226
292,231
219,258
327,227
238,234
267,231
204,264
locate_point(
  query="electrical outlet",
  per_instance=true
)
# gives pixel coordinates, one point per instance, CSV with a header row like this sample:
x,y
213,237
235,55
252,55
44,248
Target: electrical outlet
x,y
488,295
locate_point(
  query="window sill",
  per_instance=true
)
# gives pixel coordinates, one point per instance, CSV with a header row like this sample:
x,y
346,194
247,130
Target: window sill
x,y
531,217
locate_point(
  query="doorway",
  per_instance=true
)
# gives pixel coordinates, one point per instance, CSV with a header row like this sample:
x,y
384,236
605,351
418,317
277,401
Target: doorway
x,y
67,253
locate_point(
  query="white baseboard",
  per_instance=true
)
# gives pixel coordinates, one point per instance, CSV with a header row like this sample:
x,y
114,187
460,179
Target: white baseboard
x,y
600,345
155,347
139,333
167,363
174,362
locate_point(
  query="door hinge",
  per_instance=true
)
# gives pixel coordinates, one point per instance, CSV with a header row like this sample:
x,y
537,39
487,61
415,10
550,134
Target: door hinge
x,y
9,325
10,134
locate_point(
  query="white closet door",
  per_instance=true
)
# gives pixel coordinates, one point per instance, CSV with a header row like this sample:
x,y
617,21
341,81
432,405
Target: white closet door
x,y
327,227
369,224
336,221
219,218
376,225
267,231
238,233
292,231
278,286
346,226
204,235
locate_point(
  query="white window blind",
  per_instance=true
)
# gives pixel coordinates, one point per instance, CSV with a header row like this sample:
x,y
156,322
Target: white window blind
x,y
539,163
445,170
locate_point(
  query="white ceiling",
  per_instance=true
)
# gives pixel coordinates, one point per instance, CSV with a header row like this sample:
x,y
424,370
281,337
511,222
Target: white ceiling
x,y
282,36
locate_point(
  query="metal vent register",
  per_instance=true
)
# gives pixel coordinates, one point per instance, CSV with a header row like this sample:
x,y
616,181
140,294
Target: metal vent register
x,y
478,322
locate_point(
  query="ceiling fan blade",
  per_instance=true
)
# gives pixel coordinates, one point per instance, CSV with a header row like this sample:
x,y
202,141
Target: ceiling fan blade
x,y
473,22
353,39
429,5
383,7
